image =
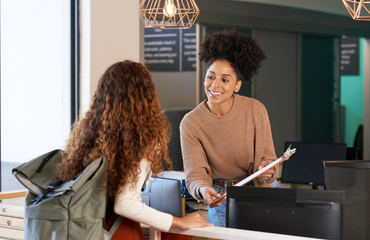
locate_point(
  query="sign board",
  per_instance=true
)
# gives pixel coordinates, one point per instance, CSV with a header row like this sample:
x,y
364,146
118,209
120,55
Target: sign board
x,y
349,62
169,50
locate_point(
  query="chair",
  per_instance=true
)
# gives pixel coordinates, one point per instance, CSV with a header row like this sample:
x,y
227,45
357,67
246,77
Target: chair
x,y
358,143
354,178
352,153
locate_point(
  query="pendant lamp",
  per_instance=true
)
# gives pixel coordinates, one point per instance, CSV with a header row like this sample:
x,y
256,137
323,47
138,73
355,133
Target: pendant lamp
x,y
168,14
359,9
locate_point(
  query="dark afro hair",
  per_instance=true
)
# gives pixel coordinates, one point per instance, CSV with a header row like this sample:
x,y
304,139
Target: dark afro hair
x,y
241,51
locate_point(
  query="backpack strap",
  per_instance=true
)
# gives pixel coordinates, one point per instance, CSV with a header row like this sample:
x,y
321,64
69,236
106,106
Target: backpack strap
x,y
46,160
146,179
116,224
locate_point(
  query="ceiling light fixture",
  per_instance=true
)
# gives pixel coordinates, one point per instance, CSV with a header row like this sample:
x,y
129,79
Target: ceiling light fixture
x,y
168,14
359,9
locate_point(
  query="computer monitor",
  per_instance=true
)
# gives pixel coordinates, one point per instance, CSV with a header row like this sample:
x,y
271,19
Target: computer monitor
x,y
164,195
299,212
306,165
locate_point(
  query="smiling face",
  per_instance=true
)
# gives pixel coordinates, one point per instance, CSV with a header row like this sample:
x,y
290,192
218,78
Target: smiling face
x,y
220,83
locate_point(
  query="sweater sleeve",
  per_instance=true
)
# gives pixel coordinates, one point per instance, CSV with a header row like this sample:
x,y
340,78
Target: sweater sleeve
x,y
128,204
196,167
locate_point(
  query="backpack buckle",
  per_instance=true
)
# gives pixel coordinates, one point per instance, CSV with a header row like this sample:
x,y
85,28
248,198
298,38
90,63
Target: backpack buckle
x,y
38,199
45,192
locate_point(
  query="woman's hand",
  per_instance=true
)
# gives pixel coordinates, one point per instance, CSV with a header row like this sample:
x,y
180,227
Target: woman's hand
x,y
209,196
267,174
193,220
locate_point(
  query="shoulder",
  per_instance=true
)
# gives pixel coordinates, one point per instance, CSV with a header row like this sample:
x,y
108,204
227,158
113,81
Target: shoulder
x,y
193,122
191,117
251,104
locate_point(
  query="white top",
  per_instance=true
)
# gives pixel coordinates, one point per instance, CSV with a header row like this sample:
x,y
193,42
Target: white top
x,y
128,204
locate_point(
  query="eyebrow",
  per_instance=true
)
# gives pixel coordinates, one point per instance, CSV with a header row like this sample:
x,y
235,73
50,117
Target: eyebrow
x,y
225,74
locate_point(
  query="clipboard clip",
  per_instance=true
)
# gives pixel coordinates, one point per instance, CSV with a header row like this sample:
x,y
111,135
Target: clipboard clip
x,y
289,152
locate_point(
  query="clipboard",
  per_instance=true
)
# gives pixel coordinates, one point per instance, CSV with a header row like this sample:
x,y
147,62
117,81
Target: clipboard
x,y
289,152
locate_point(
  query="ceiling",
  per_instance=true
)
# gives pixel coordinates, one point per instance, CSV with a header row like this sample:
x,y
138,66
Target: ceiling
x,y
326,6
306,18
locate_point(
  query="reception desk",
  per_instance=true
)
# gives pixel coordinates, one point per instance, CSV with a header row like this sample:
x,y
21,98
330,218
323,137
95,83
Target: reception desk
x,y
220,232
227,233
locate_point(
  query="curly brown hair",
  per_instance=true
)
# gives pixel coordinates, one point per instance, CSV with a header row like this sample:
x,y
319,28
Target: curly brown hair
x,y
124,124
241,51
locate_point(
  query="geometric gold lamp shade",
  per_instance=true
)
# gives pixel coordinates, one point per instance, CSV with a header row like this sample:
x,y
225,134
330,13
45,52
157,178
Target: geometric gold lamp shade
x,y
168,14
359,9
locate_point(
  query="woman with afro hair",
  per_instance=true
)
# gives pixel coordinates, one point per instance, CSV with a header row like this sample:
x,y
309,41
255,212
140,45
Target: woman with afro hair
x,y
227,137
125,125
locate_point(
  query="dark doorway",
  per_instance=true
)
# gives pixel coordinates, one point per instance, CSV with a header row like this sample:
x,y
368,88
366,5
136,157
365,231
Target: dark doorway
x,y
319,88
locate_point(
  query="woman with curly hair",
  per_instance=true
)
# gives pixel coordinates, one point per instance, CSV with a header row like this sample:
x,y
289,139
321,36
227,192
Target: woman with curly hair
x,y
227,137
125,125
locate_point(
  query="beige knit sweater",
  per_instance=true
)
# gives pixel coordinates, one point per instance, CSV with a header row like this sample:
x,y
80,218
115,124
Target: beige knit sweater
x,y
227,147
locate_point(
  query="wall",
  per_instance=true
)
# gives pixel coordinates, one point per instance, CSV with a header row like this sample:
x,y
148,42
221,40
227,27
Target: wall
x,y
176,90
111,31
276,84
366,99
352,99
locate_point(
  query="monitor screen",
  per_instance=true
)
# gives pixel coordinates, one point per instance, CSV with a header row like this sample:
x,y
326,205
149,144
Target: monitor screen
x,y
164,195
174,146
299,212
306,165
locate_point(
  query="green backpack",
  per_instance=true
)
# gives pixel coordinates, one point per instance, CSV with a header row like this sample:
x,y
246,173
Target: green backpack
x,y
72,210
